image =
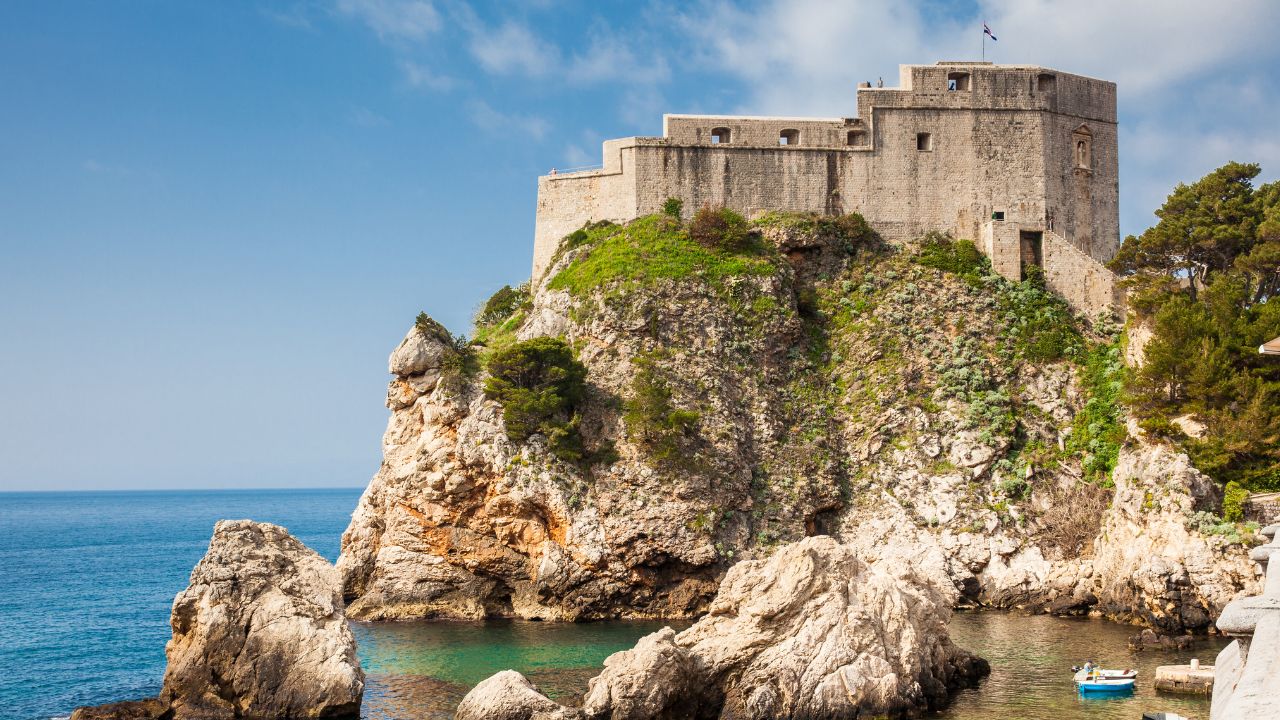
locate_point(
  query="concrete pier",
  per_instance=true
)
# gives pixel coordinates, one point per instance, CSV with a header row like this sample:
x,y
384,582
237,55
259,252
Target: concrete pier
x,y
1194,678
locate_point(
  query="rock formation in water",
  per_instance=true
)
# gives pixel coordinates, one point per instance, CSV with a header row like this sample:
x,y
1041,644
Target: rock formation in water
x,y
816,384
258,633
812,632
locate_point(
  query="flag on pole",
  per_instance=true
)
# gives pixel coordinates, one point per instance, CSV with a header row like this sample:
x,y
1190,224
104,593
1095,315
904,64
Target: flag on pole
x,y
987,31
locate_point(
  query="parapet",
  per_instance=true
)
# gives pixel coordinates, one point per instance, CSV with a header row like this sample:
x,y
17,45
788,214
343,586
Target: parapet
x,y
984,86
765,132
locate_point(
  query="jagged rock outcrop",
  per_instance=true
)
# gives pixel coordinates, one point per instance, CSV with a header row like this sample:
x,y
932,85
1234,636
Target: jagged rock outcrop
x,y
849,392
1149,564
259,633
812,632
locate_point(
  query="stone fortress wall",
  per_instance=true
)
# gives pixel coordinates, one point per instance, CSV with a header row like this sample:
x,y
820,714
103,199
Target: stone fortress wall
x,y
1021,159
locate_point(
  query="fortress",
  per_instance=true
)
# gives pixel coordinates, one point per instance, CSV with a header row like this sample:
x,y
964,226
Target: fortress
x,y
1020,159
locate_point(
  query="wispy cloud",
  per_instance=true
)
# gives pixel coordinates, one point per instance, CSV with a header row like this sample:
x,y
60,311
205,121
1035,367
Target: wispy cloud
x,y
1147,46
513,49
394,19
421,76
796,57
611,57
493,120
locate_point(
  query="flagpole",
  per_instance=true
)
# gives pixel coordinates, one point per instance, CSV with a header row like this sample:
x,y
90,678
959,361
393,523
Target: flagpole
x,y
984,41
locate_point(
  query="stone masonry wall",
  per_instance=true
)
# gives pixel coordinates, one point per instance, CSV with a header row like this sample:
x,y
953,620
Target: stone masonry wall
x,y
1085,283
564,206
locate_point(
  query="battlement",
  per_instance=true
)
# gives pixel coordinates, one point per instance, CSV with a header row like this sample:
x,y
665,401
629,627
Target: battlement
x,y
1005,154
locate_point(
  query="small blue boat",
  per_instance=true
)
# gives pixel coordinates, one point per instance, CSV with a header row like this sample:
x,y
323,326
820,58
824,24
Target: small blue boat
x,y
1094,680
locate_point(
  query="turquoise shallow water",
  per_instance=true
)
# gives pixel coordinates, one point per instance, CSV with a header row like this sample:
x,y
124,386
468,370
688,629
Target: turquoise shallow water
x,y
89,578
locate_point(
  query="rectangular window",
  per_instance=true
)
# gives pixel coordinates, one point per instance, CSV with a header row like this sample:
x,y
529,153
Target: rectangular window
x,y
924,141
998,216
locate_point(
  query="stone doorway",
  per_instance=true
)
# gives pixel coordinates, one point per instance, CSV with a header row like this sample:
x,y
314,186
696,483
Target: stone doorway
x,y
1031,243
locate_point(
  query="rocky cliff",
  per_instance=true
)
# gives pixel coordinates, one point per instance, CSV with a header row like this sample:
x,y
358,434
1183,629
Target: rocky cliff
x,y
806,381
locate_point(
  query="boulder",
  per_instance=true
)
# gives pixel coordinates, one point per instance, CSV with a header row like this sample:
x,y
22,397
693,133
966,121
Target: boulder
x,y
422,351
642,682
812,632
509,696
1151,565
259,633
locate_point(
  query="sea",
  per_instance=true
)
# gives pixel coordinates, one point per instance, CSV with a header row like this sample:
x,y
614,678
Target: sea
x,y
89,578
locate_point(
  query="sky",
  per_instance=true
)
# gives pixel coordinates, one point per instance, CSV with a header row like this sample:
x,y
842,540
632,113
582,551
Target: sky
x,y
218,218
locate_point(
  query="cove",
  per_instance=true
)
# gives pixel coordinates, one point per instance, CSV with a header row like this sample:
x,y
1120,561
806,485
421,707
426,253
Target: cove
x,y
422,669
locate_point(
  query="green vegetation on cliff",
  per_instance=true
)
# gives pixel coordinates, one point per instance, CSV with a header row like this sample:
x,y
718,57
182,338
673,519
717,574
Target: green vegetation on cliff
x,y
652,421
1098,429
539,384
1038,323
1203,279
504,303
653,248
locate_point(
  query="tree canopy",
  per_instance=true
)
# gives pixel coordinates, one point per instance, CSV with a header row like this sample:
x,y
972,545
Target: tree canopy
x,y
1203,278
1219,224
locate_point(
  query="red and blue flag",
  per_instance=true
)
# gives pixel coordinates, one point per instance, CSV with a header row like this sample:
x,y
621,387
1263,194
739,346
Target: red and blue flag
x,y
986,30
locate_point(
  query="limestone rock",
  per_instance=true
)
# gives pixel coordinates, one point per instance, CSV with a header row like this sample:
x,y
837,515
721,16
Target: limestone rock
x,y
508,696
812,632
1149,564
643,682
422,350
260,632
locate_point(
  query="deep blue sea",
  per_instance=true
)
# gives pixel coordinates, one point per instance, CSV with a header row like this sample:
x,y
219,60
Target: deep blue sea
x,y
89,579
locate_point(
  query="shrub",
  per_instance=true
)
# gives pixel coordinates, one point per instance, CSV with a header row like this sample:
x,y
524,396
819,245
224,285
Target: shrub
x,y
1072,518
851,227
651,419
539,384
673,207
961,257
1160,425
463,358
1206,523
502,305
1015,488
1233,502
720,229
431,329
584,235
